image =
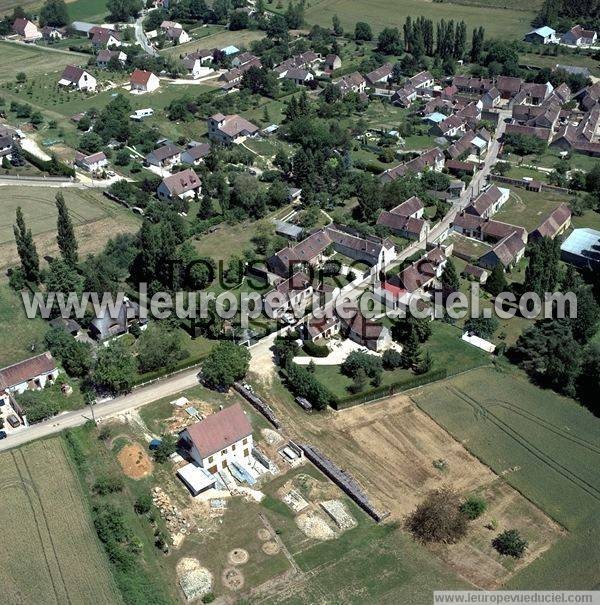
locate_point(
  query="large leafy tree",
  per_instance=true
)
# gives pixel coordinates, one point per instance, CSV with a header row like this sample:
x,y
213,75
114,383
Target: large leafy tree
x,y
54,12
159,347
115,369
548,352
225,364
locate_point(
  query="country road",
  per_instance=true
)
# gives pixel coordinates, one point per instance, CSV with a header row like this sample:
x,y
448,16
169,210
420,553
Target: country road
x,y
141,38
141,396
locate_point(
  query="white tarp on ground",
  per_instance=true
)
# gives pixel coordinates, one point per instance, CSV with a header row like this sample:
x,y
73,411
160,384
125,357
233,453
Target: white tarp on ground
x,y
196,478
480,343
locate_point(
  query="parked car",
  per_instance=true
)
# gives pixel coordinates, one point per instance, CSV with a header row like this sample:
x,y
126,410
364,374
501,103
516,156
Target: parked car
x,y
2,434
13,421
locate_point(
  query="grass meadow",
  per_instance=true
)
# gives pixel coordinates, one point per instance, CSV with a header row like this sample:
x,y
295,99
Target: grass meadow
x,y
544,445
499,22
49,551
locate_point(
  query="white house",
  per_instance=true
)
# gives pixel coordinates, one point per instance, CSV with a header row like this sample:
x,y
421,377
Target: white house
x,y
183,185
91,163
105,56
165,156
288,295
578,36
33,373
229,129
219,439
195,154
26,29
177,35
194,67
143,81
76,77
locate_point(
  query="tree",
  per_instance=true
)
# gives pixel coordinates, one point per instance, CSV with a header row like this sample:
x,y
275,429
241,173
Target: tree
x,y
167,446
389,41
510,543
122,10
548,352
477,44
108,484
460,40
115,369
30,261
122,157
359,381
484,327
405,326
391,359
67,242
143,504
496,282
74,355
277,28
338,30
411,351
226,363
543,270
449,277
54,12
473,507
158,347
362,31
304,384
239,20
589,379
425,364
438,518
369,364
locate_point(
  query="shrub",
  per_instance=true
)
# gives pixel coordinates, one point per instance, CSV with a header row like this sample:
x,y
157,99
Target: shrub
x,y
438,518
108,484
473,507
168,445
143,504
510,543
315,350
391,359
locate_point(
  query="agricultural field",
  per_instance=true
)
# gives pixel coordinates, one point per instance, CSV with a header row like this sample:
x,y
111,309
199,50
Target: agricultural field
x,y
508,23
33,61
45,554
95,218
544,445
93,11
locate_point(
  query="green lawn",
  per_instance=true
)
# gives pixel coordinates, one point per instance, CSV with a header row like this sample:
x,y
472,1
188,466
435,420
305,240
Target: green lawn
x,y
528,208
93,11
446,348
19,334
217,37
544,445
550,61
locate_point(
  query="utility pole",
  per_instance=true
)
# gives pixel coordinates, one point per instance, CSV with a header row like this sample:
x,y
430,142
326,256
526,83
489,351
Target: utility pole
x,y
90,399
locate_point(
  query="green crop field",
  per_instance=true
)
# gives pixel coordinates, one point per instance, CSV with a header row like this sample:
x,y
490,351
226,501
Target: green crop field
x,y
49,552
509,23
544,445
93,11
33,61
96,219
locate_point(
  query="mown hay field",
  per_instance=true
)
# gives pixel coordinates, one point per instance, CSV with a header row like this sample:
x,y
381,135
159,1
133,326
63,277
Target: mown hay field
x,y
95,217
49,552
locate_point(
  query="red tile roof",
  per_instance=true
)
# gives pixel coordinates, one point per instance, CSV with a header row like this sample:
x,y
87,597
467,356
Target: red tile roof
x,y
26,370
220,430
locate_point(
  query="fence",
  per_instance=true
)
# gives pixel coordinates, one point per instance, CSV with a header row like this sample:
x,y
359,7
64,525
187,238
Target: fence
x,y
389,390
